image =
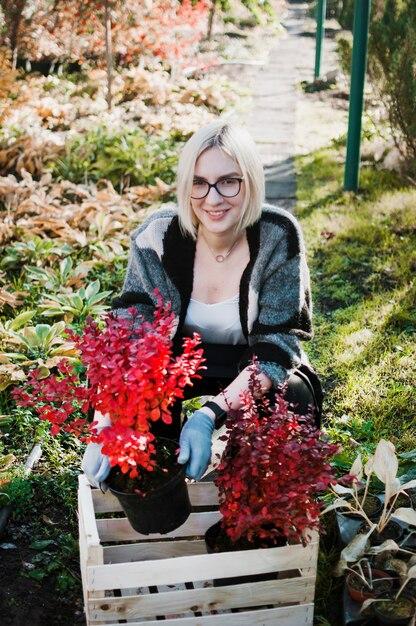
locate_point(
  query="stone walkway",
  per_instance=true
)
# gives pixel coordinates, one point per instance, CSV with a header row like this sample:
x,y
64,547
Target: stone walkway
x,y
281,118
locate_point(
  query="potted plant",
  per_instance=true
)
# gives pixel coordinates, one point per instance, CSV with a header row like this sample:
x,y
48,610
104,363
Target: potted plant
x,y
394,611
274,465
384,465
397,608
131,375
365,581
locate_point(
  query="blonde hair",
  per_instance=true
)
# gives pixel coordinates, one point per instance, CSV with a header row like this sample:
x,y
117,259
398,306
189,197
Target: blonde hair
x,y
238,144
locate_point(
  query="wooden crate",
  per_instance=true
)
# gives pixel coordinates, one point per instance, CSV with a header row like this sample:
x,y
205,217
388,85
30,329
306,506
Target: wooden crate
x,y
136,579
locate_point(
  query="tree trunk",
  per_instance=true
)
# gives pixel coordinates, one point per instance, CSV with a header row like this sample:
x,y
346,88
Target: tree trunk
x,y
211,20
109,53
12,16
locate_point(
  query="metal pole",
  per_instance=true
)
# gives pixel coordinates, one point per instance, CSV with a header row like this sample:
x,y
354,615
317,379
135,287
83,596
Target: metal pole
x,y
358,70
320,30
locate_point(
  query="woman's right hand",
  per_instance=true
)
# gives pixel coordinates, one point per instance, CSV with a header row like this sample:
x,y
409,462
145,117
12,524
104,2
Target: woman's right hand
x,y
96,466
195,444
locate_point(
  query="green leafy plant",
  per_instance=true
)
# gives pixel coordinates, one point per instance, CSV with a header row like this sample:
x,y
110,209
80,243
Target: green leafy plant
x,y
15,323
76,307
392,58
36,249
260,11
344,51
125,158
42,345
54,557
66,276
6,461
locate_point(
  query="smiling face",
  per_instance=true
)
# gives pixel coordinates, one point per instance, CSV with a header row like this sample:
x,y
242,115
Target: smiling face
x,y
215,213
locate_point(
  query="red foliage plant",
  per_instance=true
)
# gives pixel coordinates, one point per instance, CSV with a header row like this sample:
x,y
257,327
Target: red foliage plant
x,y
132,376
274,464
166,30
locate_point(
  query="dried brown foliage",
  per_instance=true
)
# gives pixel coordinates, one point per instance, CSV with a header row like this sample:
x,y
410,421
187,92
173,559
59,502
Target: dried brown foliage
x,y
29,154
79,215
7,80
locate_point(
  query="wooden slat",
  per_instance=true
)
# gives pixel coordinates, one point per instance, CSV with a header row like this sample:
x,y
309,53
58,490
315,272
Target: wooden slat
x,y
83,558
203,494
200,494
86,511
199,567
90,549
291,590
154,550
120,529
105,502
285,616
166,560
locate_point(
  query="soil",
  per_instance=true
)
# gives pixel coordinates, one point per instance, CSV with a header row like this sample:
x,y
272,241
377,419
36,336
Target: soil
x,y
382,584
401,608
28,602
165,457
218,541
372,507
393,530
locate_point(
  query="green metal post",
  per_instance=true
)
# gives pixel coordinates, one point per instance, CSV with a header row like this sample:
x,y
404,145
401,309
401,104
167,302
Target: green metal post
x,y
358,70
320,29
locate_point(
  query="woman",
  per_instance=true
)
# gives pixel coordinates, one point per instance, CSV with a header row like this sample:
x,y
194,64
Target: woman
x,y
235,271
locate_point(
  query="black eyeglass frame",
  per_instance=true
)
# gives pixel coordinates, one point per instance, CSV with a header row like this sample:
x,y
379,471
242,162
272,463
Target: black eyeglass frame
x,y
214,185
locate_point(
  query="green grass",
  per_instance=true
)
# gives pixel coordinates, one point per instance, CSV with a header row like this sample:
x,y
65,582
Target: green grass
x,y
362,256
362,251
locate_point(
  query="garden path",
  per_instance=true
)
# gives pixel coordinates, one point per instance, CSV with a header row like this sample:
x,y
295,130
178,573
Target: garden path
x,y
282,119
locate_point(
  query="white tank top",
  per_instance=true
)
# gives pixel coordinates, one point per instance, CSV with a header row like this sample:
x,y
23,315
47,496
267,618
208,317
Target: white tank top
x,y
216,323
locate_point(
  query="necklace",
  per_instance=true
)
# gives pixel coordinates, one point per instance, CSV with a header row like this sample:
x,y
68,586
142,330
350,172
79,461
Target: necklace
x,y
220,258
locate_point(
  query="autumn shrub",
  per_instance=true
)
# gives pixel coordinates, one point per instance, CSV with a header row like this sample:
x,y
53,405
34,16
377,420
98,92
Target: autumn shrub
x,y
7,74
133,376
392,63
11,18
274,465
27,154
124,158
75,31
7,78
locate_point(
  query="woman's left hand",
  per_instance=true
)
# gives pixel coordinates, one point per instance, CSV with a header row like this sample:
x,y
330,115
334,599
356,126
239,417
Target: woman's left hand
x,y
195,444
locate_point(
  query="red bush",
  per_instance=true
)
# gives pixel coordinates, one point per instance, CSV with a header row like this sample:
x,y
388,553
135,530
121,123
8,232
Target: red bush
x,y
273,467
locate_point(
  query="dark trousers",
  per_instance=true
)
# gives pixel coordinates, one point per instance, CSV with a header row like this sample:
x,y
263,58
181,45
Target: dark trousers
x,y
222,368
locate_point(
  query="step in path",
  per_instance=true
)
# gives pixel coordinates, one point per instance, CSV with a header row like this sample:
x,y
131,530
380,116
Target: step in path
x,y
277,116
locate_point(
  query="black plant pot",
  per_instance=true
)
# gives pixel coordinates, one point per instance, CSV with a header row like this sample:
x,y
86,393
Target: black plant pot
x,y
393,530
217,540
394,613
348,524
372,508
162,509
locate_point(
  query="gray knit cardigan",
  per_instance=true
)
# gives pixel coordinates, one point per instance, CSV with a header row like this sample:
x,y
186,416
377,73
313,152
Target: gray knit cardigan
x,y
275,302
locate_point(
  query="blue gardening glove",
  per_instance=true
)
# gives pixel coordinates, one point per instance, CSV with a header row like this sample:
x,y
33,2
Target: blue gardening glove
x,y
195,444
95,465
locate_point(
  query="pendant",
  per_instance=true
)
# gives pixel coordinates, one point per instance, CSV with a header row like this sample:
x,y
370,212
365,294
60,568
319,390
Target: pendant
x,y
220,258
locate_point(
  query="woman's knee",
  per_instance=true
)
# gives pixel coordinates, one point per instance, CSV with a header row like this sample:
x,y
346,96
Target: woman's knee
x,y
300,394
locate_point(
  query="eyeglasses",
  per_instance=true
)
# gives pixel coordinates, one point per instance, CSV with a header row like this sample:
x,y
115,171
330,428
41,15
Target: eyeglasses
x,y
227,187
